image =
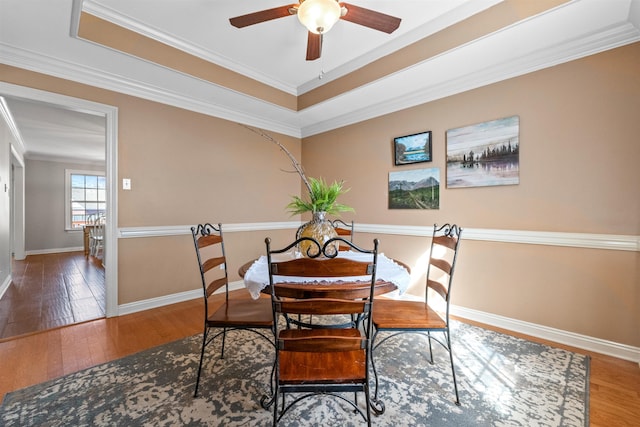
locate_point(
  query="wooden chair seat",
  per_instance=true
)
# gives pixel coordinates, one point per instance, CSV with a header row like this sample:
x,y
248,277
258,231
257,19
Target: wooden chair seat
x,y
246,313
394,314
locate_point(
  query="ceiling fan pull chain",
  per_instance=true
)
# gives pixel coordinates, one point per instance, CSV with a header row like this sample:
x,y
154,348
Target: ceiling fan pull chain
x,y
321,75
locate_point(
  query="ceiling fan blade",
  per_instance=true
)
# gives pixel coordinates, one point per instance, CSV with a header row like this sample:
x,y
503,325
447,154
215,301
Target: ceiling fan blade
x,y
262,16
371,18
314,46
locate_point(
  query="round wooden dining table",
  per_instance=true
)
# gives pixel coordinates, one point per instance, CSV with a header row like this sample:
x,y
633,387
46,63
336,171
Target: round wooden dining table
x,y
324,290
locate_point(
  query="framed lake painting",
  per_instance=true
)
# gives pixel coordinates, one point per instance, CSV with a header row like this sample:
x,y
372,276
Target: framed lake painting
x,y
415,189
484,154
415,148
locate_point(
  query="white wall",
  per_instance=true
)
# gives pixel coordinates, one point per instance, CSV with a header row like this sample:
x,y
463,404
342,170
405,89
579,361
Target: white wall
x,y
44,207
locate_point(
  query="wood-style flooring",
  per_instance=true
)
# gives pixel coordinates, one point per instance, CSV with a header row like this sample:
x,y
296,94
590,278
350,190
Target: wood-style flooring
x,y
52,290
31,359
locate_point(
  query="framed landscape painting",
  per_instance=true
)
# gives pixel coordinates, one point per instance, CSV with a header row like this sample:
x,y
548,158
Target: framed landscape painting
x,y
415,189
414,148
484,154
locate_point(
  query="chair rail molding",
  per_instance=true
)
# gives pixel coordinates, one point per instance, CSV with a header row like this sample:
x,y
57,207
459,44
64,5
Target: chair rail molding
x,y
176,230
548,238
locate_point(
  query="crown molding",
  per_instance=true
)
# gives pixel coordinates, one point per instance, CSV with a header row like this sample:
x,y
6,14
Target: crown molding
x,y
601,40
155,34
52,66
514,51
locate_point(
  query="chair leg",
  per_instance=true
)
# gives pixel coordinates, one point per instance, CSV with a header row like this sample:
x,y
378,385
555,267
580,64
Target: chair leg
x,y
224,338
376,404
367,401
275,405
204,344
430,348
453,370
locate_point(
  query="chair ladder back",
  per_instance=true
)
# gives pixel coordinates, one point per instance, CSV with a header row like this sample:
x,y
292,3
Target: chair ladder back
x,y
324,344
322,306
357,290
210,263
345,230
209,236
444,252
334,267
439,287
449,242
215,285
441,264
212,239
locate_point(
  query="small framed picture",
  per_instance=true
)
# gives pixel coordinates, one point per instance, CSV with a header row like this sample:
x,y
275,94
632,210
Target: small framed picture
x,y
415,148
414,189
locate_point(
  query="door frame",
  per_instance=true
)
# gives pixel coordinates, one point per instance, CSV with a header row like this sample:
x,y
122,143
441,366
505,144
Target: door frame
x,y
110,113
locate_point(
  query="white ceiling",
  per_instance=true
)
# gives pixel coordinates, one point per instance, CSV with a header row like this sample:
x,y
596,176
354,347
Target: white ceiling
x,y
38,35
51,132
273,52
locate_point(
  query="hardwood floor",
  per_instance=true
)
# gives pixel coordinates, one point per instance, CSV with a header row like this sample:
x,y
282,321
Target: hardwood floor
x,y
614,383
50,291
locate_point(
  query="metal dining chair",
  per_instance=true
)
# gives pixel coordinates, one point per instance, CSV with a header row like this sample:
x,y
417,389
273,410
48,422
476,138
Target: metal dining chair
x,y
322,361
345,230
399,316
233,313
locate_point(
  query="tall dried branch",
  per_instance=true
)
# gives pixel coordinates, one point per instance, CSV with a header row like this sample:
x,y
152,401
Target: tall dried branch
x,y
297,166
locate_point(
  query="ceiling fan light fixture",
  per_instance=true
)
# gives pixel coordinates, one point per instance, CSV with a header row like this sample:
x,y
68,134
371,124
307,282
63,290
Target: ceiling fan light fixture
x,y
319,15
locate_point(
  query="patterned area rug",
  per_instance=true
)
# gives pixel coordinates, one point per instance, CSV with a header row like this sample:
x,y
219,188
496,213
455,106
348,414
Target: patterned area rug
x,y
503,381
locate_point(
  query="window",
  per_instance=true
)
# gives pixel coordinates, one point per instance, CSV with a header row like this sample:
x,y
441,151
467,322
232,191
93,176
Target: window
x,y
85,197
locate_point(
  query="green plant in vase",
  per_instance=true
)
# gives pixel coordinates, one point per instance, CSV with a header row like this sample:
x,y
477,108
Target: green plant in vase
x,y
322,200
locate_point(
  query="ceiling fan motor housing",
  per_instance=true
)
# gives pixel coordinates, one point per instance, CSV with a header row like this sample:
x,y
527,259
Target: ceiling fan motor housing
x,y
319,15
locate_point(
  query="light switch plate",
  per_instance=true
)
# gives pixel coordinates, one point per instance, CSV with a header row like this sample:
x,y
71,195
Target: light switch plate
x,y
126,184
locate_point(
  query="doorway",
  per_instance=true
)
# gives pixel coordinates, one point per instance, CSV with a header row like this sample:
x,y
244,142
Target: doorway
x,y
110,116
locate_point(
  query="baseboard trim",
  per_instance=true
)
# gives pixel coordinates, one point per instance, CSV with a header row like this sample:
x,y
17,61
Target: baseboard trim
x,y
134,307
54,250
157,302
610,348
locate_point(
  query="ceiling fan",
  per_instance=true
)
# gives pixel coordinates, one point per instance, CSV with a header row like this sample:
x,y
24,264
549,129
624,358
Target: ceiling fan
x,y
319,16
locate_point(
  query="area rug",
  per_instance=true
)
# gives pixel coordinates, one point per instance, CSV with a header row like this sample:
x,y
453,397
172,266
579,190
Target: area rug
x,y
503,381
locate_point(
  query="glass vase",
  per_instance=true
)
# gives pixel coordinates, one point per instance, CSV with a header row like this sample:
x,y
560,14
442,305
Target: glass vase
x,y
321,230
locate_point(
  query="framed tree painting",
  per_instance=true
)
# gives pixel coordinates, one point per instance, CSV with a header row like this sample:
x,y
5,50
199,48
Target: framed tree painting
x,y
484,154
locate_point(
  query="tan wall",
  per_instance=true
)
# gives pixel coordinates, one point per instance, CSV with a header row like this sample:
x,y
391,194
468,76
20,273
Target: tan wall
x,y
579,151
185,168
